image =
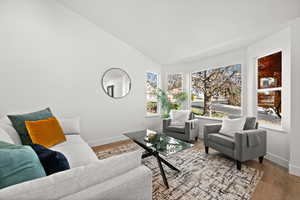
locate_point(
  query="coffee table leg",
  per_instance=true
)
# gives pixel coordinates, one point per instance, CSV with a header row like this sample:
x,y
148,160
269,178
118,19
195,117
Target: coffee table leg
x,y
162,172
169,164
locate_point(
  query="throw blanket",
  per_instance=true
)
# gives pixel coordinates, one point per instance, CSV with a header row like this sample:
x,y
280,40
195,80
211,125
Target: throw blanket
x,y
253,139
52,161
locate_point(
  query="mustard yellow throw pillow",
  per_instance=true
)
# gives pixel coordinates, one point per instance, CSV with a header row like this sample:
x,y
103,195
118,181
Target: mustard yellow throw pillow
x,y
46,132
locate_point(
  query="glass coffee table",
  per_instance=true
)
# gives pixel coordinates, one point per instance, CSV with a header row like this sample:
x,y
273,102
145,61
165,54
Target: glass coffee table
x,y
161,145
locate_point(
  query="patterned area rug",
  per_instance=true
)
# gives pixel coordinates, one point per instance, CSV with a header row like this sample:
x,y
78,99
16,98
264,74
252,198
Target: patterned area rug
x,y
203,177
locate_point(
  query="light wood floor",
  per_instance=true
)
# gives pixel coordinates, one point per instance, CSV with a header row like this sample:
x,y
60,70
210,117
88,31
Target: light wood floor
x,y
276,183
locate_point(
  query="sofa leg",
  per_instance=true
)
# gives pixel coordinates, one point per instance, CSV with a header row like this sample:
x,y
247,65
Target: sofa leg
x,y
238,165
206,150
261,159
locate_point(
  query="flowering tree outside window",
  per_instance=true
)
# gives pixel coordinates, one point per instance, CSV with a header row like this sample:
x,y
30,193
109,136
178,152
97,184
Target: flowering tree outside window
x,y
217,92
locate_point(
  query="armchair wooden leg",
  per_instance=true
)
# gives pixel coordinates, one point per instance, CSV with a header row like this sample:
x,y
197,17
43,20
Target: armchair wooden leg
x,y
261,159
206,150
238,165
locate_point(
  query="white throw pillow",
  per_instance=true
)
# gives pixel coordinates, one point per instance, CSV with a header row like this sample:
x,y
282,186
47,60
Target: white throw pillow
x,y
4,137
231,126
179,117
70,126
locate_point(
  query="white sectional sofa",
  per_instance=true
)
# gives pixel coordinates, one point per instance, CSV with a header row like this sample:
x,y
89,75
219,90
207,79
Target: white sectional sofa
x,y
119,177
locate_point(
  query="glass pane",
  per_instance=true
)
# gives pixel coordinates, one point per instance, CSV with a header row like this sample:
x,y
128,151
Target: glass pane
x,y
269,71
175,83
151,107
152,86
269,107
217,92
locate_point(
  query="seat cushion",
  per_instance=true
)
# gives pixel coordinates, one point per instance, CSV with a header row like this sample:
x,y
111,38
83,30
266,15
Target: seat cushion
x,y
222,140
76,150
178,129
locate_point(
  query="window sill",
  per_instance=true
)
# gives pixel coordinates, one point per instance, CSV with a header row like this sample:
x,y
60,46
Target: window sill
x,y
153,116
272,128
209,118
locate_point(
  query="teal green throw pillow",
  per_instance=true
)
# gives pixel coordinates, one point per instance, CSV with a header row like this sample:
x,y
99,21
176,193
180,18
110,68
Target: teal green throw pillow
x,y
18,164
18,122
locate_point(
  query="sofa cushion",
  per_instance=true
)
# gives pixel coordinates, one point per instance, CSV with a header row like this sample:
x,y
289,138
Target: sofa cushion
x,y
179,129
52,161
76,150
222,140
18,164
11,131
4,137
18,122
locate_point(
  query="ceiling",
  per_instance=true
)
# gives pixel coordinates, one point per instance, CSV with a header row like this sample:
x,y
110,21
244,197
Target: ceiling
x,y
170,31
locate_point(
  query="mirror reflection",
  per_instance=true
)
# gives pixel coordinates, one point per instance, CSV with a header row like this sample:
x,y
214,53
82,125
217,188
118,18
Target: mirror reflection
x,y
116,83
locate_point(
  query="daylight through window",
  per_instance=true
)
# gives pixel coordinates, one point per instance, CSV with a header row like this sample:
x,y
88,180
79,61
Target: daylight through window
x,y
269,89
217,92
152,86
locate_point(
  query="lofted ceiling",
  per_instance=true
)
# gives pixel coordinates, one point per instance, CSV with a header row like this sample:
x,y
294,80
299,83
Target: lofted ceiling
x,y
170,31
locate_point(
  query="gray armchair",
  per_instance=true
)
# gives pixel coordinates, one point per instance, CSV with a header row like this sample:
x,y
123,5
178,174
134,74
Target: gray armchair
x,y
245,145
189,132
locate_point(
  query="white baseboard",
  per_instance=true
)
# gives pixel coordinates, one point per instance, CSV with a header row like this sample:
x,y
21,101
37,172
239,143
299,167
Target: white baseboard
x,y
294,170
278,160
106,141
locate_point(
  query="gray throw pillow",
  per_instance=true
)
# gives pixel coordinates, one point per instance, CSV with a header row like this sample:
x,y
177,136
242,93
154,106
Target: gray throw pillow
x,y
250,123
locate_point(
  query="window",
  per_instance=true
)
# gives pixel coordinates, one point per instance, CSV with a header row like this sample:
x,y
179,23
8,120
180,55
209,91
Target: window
x,y
217,92
152,86
269,89
175,84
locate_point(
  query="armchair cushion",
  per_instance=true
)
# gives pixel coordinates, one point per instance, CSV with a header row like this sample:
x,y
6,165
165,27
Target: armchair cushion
x,y
179,117
222,140
230,126
179,129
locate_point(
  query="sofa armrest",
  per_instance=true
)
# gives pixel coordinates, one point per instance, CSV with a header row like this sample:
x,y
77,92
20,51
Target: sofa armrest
x,y
74,180
243,151
166,123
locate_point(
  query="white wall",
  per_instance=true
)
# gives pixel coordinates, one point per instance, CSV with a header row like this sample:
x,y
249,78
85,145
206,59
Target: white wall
x,y
50,56
295,98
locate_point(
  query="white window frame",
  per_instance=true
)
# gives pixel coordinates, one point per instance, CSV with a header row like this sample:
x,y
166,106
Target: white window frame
x,y
158,86
209,68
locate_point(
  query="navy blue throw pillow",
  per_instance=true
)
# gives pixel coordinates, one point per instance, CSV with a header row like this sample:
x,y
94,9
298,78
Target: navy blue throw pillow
x,y
52,161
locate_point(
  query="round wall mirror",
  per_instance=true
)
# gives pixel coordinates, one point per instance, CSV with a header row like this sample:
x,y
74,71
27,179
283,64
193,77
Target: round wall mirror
x,y
116,83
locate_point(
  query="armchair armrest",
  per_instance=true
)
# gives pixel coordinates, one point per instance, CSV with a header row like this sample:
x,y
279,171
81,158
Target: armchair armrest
x,y
166,123
211,128
208,129
191,124
244,150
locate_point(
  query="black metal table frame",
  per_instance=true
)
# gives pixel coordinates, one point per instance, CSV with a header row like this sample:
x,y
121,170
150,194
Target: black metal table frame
x,y
160,160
